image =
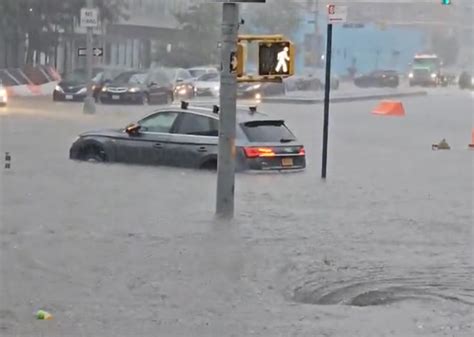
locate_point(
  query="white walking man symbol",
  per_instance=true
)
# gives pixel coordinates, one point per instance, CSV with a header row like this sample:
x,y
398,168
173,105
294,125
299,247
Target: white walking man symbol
x,y
283,58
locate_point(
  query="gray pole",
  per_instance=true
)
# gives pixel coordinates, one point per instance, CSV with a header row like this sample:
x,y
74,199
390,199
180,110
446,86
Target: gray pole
x,y
89,103
227,120
327,90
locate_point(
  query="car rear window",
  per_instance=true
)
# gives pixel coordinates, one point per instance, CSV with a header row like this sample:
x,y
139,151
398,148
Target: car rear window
x,y
267,131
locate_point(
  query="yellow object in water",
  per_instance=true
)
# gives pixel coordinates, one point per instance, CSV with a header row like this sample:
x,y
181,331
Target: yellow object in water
x,y
43,315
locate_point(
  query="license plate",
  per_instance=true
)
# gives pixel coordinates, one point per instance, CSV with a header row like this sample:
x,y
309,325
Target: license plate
x,y
69,97
116,97
287,162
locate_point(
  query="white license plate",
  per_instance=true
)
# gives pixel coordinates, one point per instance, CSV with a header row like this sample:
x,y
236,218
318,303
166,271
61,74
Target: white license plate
x,y
287,162
116,97
69,97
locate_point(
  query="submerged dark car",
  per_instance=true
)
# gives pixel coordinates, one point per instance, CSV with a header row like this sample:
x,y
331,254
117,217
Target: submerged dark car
x,y
310,81
73,86
188,137
138,87
466,81
378,79
105,77
259,90
182,81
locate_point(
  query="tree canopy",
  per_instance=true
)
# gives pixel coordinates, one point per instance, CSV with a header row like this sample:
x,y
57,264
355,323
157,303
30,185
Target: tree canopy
x,y
39,20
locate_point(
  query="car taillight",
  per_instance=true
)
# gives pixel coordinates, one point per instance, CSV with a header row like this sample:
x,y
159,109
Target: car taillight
x,y
254,152
302,151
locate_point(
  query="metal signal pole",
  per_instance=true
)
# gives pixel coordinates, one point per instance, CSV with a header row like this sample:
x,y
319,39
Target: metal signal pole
x,y
228,107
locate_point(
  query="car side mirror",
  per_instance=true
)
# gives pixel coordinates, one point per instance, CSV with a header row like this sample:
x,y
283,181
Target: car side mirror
x,y
132,129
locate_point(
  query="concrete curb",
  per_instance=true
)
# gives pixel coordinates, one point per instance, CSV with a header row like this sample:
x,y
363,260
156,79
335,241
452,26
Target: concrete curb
x,y
304,100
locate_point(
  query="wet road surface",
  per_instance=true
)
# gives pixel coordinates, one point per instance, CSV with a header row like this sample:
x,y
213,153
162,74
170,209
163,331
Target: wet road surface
x,y
382,248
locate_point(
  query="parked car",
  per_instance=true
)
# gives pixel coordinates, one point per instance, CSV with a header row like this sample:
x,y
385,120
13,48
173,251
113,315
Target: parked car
x,y
466,81
104,77
311,80
183,83
378,79
3,95
259,90
138,87
188,137
199,71
73,86
208,85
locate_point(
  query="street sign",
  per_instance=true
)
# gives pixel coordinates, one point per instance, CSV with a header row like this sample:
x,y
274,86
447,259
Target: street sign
x,y
95,51
336,13
89,17
276,58
353,25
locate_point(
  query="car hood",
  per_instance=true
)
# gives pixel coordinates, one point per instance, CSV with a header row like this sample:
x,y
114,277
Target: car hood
x,y
124,85
103,133
74,84
206,84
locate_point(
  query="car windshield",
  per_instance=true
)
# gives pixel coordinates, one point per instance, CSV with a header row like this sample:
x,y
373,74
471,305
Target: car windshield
x,y
161,77
210,77
80,75
131,78
76,76
170,73
267,131
197,72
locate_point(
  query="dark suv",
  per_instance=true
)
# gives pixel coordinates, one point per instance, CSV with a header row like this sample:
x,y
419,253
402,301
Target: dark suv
x,y
188,137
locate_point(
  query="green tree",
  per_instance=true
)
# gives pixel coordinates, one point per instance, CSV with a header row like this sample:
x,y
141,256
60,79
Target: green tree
x,y
37,21
200,26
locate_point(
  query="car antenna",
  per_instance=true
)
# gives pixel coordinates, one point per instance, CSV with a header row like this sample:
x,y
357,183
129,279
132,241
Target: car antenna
x,y
215,109
184,105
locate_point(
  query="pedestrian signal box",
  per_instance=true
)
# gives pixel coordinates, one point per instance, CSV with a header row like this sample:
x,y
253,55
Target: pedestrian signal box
x,y
276,58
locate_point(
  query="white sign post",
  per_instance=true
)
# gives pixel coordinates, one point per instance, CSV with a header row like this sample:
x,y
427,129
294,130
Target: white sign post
x,y
337,14
89,18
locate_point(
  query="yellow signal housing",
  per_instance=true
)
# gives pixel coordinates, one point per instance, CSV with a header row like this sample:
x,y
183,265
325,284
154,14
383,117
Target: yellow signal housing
x,y
276,58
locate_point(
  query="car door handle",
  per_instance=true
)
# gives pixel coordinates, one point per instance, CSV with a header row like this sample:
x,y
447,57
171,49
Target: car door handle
x,y
202,149
158,146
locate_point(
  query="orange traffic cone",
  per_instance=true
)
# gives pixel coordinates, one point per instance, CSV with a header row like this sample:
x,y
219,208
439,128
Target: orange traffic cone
x,y
472,140
389,108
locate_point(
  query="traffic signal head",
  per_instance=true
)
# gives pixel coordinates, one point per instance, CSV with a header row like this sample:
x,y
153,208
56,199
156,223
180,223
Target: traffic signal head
x,y
446,2
276,58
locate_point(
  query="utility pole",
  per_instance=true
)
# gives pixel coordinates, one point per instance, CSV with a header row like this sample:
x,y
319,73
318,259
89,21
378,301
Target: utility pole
x,y
89,102
326,101
228,107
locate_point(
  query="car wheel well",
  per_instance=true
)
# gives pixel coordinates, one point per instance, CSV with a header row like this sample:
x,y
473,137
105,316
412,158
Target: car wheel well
x,y
209,164
93,152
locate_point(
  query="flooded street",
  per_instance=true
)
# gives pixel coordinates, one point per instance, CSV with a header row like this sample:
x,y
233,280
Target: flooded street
x,y
382,248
